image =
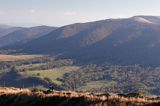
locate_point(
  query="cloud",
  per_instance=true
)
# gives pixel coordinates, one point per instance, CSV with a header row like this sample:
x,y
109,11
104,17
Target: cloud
x,y
1,12
32,11
70,13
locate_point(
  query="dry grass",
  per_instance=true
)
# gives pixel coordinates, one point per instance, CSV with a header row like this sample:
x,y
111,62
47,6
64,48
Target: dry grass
x,y
52,74
27,97
5,57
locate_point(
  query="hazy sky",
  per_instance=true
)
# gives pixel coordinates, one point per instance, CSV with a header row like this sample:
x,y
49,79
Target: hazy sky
x,y
62,12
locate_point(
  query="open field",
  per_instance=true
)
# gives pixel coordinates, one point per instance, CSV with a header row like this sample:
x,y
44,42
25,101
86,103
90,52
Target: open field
x,y
34,70
6,57
52,74
64,74
96,85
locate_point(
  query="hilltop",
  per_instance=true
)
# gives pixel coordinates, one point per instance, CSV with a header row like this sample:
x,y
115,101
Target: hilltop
x,y
26,97
125,41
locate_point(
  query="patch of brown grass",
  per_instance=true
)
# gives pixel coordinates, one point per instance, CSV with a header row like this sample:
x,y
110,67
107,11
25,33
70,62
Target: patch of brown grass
x,y
6,57
26,97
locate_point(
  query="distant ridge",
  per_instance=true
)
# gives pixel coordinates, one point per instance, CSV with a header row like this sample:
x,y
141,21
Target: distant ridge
x,y
134,40
5,26
21,35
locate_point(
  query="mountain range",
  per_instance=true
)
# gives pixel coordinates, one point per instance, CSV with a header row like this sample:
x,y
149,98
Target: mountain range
x,y
20,35
125,41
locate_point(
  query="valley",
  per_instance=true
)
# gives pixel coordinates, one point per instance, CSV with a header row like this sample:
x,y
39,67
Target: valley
x,y
112,55
79,53
42,71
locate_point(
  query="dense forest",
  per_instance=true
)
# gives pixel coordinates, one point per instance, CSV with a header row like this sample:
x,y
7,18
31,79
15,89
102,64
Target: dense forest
x,y
121,79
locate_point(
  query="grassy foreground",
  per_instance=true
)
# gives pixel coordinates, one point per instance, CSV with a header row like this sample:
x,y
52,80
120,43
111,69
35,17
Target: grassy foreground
x,y
26,97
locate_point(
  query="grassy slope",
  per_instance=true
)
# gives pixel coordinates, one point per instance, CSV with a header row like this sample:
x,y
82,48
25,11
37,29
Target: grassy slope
x,y
26,97
96,85
5,57
52,74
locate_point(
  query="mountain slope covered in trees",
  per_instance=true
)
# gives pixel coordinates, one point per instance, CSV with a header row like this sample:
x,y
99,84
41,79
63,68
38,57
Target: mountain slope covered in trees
x,y
16,36
134,40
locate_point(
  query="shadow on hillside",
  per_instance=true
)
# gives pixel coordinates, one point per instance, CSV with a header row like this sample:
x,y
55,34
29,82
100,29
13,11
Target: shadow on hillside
x,y
14,79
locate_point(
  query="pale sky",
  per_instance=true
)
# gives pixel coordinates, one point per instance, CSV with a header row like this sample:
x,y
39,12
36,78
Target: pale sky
x,y
62,12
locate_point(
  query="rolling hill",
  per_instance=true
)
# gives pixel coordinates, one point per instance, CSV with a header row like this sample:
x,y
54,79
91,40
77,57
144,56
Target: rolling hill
x,y
22,35
127,41
4,26
5,29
